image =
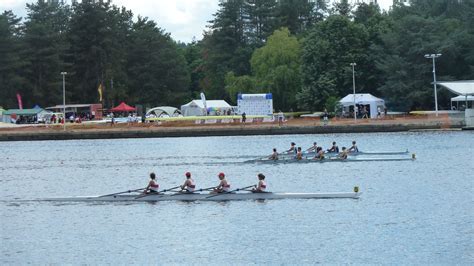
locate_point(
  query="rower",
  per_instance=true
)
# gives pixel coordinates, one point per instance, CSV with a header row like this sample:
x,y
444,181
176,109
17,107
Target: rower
x,y
319,154
334,147
343,154
292,148
262,186
274,155
152,185
189,184
353,148
223,186
299,154
312,148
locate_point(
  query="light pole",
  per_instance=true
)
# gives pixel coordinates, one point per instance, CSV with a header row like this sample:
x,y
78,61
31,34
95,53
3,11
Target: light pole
x,y
64,99
354,89
434,56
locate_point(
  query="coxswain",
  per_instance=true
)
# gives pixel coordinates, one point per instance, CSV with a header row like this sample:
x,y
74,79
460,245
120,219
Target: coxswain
x,y
334,147
189,185
274,155
299,154
152,185
353,148
343,154
223,186
313,148
261,186
319,154
292,148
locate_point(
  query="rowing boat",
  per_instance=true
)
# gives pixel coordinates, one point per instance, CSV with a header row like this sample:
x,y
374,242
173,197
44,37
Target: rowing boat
x,y
312,153
311,160
210,197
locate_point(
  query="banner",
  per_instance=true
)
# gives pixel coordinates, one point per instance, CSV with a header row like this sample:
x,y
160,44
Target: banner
x,y
203,99
100,89
20,103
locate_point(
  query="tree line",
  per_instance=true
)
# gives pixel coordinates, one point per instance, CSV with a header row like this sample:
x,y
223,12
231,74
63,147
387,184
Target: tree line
x,y
299,50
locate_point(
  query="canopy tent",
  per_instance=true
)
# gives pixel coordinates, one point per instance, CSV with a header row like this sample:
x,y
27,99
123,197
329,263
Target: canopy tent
x,y
364,99
214,107
164,111
123,107
462,87
28,115
461,98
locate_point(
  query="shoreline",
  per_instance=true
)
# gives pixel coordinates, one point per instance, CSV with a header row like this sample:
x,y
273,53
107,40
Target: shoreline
x,y
152,131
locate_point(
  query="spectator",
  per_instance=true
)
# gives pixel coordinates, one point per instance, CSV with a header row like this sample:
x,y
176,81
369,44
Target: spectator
x,y
281,117
244,117
325,116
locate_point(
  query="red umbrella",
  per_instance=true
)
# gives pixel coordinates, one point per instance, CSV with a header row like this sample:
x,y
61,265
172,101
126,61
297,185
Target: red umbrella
x,y
123,107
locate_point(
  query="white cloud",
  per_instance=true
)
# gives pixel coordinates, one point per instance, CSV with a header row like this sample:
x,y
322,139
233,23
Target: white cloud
x,y
184,19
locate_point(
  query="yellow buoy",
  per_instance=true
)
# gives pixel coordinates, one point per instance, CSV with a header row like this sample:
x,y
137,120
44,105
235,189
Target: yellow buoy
x,y
356,189
413,156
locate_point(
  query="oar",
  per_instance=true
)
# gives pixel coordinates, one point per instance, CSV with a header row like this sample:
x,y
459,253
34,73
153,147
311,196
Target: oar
x,y
204,189
123,192
181,192
164,190
218,194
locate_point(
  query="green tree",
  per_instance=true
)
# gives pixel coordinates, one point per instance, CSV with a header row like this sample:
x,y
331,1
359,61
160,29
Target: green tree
x,y
443,27
157,70
98,51
342,7
225,48
327,53
276,67
243,84
44,36
195,64
299,16
11,63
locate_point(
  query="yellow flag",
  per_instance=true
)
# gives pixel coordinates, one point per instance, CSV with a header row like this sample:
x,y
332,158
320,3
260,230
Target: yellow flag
x,y
100,92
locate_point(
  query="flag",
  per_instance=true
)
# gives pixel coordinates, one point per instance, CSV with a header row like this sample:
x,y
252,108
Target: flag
x,y
20,103
100,89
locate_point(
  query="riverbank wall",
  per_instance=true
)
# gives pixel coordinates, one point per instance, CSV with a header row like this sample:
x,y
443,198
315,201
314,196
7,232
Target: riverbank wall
x,y
243,130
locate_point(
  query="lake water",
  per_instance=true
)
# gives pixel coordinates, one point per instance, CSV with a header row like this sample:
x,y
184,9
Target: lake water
x,y
410,212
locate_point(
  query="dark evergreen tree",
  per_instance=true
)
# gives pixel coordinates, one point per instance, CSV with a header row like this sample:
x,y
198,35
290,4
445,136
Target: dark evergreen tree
x,y
12,62
157,70
45,43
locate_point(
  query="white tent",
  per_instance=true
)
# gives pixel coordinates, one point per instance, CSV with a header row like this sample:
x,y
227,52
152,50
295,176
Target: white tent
x,y
163,111
462,87
214,107
462,99
364,99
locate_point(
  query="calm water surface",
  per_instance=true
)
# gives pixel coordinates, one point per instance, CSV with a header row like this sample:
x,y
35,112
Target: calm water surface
x,y
409,212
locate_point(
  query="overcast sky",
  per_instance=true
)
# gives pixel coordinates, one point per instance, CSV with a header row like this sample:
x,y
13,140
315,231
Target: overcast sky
x,y
184,19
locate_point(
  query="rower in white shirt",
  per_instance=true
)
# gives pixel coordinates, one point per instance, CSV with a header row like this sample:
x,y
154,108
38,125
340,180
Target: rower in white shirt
x,y
189,185
262,185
